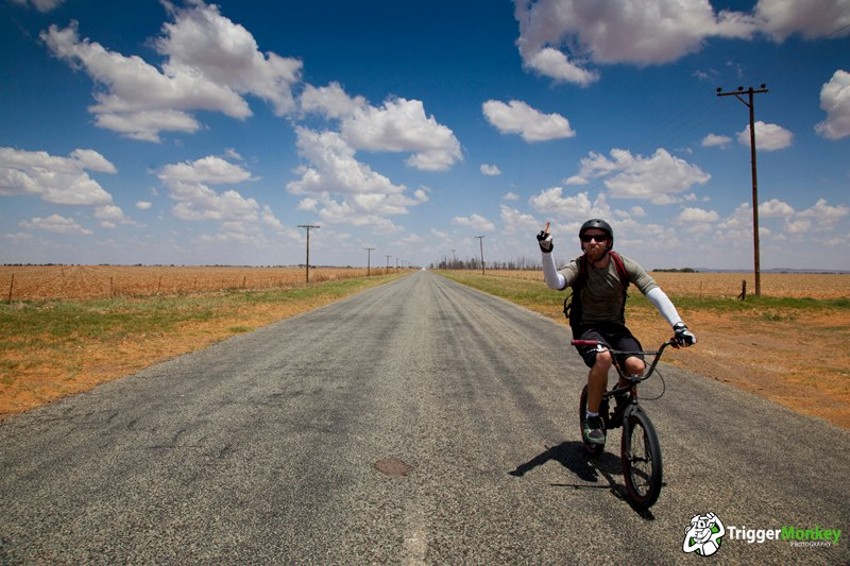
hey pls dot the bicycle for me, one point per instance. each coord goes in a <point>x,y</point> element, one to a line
<point>640,450</point>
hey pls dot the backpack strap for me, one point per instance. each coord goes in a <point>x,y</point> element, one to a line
<point>582,274</point>
<point>621,269</point>
<point>624,281</point>
<point>581,278</point>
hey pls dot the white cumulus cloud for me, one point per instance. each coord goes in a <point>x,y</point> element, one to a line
<point>43,6</point>
<point>656,178</point>
<point>835,100</point>
<point>57,180</point>
<point>517,117</point>
<point>399,125</point>
<point>56,224</point>
<point>211,64</point>
<point>775,208</point>
<point>240,219</point>
<point>810,18</point>
<point>365,195</point>
<point>475,221</point>
<point>715,140</point>
<point>769,137</point>
<point>696,215</point>
<point>565,39</point>
<point>577,207</point>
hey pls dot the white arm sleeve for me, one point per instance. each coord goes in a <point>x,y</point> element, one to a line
<point>664,305</point>
<point>554,280</point>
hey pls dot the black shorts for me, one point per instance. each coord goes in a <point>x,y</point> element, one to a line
<point>615,336</point>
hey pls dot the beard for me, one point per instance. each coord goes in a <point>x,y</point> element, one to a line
<point>595,252</point>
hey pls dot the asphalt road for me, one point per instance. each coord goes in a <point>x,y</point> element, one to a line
<point>418,422</point>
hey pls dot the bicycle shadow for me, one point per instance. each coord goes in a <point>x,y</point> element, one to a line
<point>587,468</point>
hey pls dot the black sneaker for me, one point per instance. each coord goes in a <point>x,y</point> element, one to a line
<point>594,430</point>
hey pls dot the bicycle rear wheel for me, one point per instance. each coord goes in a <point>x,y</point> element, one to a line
<point>593,449</point>
<point>641,459</point>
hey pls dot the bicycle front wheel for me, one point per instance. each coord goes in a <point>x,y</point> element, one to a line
<point>641,459</point>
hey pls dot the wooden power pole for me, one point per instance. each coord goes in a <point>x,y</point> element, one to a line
<point>308,227</point>
<point>750,103</point>
<point>481,243</point>
<point>368,260</point>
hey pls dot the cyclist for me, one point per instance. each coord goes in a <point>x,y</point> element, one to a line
<point>602,299</point>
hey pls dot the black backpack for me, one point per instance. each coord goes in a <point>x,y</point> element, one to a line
<point>572,302</point>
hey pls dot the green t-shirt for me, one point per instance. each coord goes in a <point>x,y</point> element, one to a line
<point>602,294</point>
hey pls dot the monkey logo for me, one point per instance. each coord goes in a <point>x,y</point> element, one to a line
<point>704,534</point>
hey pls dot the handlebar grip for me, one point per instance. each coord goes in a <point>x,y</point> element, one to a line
<point>584,342</point>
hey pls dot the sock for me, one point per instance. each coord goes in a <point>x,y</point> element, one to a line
<point>590,414</point>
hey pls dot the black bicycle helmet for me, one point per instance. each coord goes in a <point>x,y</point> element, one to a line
<point>600,225</point>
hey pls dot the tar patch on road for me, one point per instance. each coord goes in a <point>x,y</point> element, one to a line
<point>393,467</point>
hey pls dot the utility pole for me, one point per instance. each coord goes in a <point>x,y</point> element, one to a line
<point>368,260</point>
<point>308,227</point>
<point>481,244</point>
<point>750,103</point>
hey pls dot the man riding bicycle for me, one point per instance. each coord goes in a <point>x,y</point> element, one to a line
<point>599,278</point>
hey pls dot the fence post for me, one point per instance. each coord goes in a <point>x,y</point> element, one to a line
<point>11,286</point>
<point>743,295</point>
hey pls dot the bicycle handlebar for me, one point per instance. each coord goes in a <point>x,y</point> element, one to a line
<point>670,342</point>
<point>657,353</point>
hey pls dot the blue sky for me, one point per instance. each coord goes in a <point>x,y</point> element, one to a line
<point>188,132</point>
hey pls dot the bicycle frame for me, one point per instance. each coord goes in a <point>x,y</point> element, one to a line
<point>641,459</point>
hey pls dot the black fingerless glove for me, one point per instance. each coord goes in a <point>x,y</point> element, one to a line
<point>684,337</point>
<point>545,242</point>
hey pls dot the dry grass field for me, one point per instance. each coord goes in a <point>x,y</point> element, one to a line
<point>728,285</point>
<point>49,282</point>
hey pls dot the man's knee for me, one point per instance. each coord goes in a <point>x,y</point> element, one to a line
<point>635,366</point>
<point>604,360</point>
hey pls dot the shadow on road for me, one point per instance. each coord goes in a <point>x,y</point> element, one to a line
<point>573,456</point>
<point>586,468</point>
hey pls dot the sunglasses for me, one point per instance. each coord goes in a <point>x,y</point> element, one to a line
<point>598,237</point>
